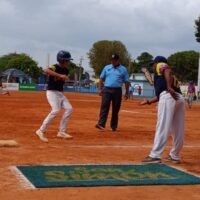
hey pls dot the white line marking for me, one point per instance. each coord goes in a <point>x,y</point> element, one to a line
<point>110,146</point>
<point>84,100</point>
<point>102,146</point>
<point>186,171</point>
<point>128,111</point>
<point>136,112</point>
<point>24,182</point>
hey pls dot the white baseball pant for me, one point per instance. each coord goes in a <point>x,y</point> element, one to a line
<point>57,100</point>
<point>171,115</point>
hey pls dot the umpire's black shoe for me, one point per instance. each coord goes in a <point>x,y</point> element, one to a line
<point>100,127</point>
<point>114,129</point>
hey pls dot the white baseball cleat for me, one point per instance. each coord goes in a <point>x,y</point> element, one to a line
<point>41,135</point>
<point>64,135</point>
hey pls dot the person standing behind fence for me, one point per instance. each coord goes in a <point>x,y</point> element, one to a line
<point>139,90</point>
<point>114,76</point>
<point>191,93</point>
<point>58,74</point>
<point>131,89</point>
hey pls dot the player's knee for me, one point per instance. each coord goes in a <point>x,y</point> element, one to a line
<point>69,110</point>
<point>55,112</point>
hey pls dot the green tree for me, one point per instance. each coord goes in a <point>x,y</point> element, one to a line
<point>142,60</point>
<point>197,27</point>
<point>100,53</point>
<point>185,65</point>
<point>22,62</point>
<point>75,71</point>
<point>135,67</point>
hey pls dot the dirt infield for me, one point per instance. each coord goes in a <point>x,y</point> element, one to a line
<point>23,112</point>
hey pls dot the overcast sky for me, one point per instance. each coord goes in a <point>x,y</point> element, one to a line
<point>39,27</point>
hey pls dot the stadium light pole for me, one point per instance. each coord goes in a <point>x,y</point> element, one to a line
<point>48,60</point>
<point>80,70</point>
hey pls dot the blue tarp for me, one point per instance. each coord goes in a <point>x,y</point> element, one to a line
<point>14,73</point>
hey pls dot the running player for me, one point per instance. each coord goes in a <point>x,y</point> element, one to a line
<point>58,74</point>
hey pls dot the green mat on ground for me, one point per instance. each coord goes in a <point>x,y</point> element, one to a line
<point>105,175</point>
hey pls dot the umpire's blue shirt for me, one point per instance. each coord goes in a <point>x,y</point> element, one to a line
<point>114,76</point>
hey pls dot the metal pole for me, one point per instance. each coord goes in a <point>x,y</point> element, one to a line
<point>80,72</point>
<point>48,59</point>
<point>7,82</point>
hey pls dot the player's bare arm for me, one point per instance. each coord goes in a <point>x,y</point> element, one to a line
<point>100,86</point>
<point>126,88</point>
<point>52,73</point>
<point>169,79</point>
<point>149,101</point>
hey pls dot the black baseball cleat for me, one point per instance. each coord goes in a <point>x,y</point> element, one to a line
<point>149,159</point>
<point>114,129</point>
<point>169,158</point>
<point>99,127</point>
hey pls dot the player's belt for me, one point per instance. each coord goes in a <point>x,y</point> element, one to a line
<point>166,92</point>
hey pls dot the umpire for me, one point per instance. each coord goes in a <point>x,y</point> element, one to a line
<point>113,76</point>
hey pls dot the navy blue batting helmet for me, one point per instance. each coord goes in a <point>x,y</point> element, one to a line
<point>63,55</point>
<point>158,59</point>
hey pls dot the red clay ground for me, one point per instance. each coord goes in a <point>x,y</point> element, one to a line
<point>22,113</point>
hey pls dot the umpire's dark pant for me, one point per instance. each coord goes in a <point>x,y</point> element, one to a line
<point>109,95</point>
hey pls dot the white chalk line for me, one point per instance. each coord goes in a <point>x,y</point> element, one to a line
<point>110,146</point>
<point>84,100</point>
<point>186,171</point>
<point>23,181</point>
<point>137,112</point>
<point>128,111</point>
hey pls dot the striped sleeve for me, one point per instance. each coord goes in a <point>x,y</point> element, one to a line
<point>52,67</point>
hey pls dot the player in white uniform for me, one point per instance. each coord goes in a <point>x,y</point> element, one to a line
<point>171,111</point>
<point>58,73</point>
<point>3,92</point>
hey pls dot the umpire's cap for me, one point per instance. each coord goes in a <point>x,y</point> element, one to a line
<point>158,59</point>
<point>63,55</point>
<point>115,56</point>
